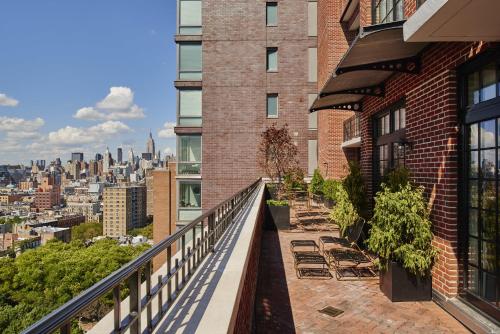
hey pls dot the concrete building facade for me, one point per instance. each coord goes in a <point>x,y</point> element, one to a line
<point>124,209</point>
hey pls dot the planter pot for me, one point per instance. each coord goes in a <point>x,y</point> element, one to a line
<point>401,286</point>
<point>279,216</point>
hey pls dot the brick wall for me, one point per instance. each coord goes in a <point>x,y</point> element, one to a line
<point>432,125</point>
<point>333,41</point>
<point>235,85</point>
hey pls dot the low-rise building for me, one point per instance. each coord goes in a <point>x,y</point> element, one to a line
<point>47,233</point>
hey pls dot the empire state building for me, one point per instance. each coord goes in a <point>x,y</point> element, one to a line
<point>150,146</point>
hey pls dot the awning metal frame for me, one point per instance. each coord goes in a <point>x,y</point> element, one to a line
<point>354,106</point>
<point>377,90</point>
<point>410,65</point>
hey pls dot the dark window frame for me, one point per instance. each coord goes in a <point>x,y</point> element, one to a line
<point>392,11</point>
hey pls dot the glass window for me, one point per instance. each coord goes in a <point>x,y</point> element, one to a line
<point>313,64</point>
<point>189,200</point>
<point>388,11</point>
<point>190,62</point>
<point>313,116</point>
<point>312,18</point>
<point>272,105</point>
<point>271,14</point>
<point>312,154</point>
<point>190,107</point>
<point>189,155</point>
<point>483,84</point>
<point>272,59</point>
<point>190,17</point>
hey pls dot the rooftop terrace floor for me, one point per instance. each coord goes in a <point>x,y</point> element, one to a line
<point>286,304</point>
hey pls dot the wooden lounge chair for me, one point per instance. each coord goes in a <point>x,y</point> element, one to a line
<point>353,234</point>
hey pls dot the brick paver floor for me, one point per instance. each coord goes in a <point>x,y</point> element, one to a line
<point>285,304</point>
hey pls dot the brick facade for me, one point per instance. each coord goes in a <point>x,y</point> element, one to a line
<point>236,83</point>
<point>432,128</point>
<point>333,41</point>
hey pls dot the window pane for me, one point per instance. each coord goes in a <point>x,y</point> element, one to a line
<point>473,193</point>
<point>473,223</point>
<point>272,59</point>
<point>488,195</point>
<point>312,17</point>
<point>488,224</point>
<point>473,88</point>
<point>474,137</point>
<point>473,251</point>
<point>189,148</point>
<point>399,14</point>
<point>272,14</point>
<point>313,116</point>
<point>488,134</point>
<point>402,116</point>
<point>489,80</point>
<point>473,164</point>
<point>272,105</point>
<point>473,280</point>
<point>190,195</point>
<point>488,287</point>
<point>396,120</point>
<point>488,256</point>
<point>190,102</point>
<point>312,151</point>
<point>488,163</point>
<point>190,65</point>
<point>190,13</point>
<point>387,124</point>
<point>313,64</point>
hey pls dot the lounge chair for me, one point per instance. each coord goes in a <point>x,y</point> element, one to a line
<point>353,234</point>
<point>305,264</point>
<point>350,263</point>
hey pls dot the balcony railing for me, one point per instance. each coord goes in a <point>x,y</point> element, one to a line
<point>189,168</point>
<point>206,231</point>
<point>351,128</point>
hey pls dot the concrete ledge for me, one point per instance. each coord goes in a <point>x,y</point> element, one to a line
<point>353,143</point>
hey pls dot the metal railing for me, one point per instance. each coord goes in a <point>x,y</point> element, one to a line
<point>351,128</point>
<point>210,227</point>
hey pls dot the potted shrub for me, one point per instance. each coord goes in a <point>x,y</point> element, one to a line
<point>343,213</point>
<point>316,186</point>
<point>277,158</point>
<point>330,189</point>
<point>401,236</point>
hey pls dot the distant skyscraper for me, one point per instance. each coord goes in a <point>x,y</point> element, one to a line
<point>147,156</point>
<point>150,147</point>
<point>119,155</point>
<point>107,161</point>
<point>76,156</point>
<point>98,157</point>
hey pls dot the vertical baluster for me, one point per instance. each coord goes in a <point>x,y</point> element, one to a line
<point>203,239</point>
<point>169,274</point>
<point>189,261</point>
<point>134,283</point>
<point>211,223</point>
<point>206,243</point>
<point>183,242</point>
<point>198,251</point>
<point>116,308</point>
<point>176,276</point>
<point>160,295</point>
<point>149,317</point>
<point>194,246</point>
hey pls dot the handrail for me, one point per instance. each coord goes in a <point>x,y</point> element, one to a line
<point>351,127</point>
<point>219,218</point>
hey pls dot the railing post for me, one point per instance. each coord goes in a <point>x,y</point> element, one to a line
<point>149,316</point>
<point>176,276</point>
<point>194,246</point>
<point>134,284</point>
<point>160,294</point>
<point>169,274</point>
<point>198,250</point>
<point>183,242</point>
<point>117,309</point>
<point>211,232</point>
<point>189,262</point>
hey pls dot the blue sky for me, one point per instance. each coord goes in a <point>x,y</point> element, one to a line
<point>80,75</point>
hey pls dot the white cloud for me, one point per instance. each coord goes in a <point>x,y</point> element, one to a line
<point>117,105</point>
<point>15,124</point>
<point>94,134</point>
<point>167,151</point>
<point>7,101</point>
<point>167,131</point>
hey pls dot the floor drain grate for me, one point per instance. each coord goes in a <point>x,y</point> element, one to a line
<point>331,311</point>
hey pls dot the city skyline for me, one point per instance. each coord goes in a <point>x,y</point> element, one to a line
<point>49,111</point>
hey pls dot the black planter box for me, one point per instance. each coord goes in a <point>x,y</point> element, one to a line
<point>401,286</point>
<point>279,216</point>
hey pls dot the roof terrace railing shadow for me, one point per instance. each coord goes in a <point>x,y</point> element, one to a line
<point>214,226</point>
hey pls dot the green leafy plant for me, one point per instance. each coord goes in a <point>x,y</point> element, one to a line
<point>397,178</point>
<point>331,188</point>
<point>401,229</point>
<point>354,185</point>
<point>343,213</point>
<point>272,202</point>
<point>294,179</point>
<point>316,186</point>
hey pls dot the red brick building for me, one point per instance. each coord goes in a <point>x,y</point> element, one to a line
<point>426,92</point>
<point>242,66</point>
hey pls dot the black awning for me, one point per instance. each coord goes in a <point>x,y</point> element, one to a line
<point>376,53</point>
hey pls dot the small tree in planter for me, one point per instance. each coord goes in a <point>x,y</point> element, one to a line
<point>316,186</point>
<point>401,235</point>
<point>354,185</point>
<point>343,213</point>
<point>277,155</point>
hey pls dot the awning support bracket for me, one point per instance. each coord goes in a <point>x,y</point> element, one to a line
<point>407,65</point>
<point>354,106</point>
<point>377,90</point>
